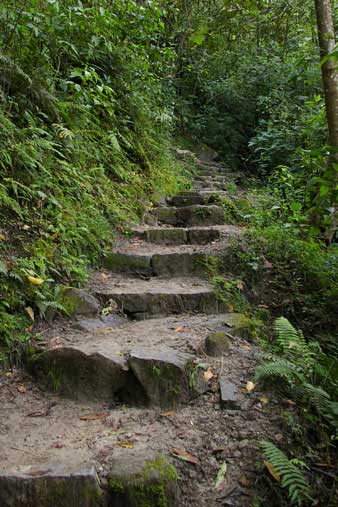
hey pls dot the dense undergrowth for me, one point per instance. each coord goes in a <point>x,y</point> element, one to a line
<point>91,94</point>
<point>85,113</point>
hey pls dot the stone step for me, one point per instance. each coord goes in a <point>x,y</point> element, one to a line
<point>50,484</point>
<point>191,199</point>
<point>147,363</point>
<point>141,258</point>
<point>190,215</point>
<point>212,178</point>
<point>184,236</point>
<point>209,185</point>
<point>141,299</point>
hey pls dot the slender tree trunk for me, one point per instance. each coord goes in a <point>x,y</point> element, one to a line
<point>329,71</point>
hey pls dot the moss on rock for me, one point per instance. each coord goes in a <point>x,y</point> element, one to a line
<point>217,343</point>
<point>149,482</point>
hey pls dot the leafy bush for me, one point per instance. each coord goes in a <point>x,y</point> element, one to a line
<point>86,112</point>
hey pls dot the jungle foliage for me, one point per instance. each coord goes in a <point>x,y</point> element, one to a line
<point>93,95</point>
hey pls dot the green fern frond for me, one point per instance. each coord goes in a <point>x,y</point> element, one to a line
<point>281,368</point>
<point>293,343</point>
<point>292,478</point>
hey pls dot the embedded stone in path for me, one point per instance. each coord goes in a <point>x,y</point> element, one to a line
<point>217,344</point>
<point>79,372</point>
<point>230,395</point>
<point>166,375</point>
<point>49,485</point>
<point>78,302</point>
<point>103,321</point>
<point>142,478</point>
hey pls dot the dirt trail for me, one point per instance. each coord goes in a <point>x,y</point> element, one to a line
<point>155,380</point>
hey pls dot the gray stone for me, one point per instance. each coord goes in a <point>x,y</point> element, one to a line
<point>49,486</point>
<point>163,303</point>
<point>201,215</point>
<point>203,236</point>
<point>78,302</point>
<point>230,395</point>
<point>142,478</point>
<point>149,219</point>
<point>166,215</point>
<point>191,215</point>
<point>180,264</point>
<point>217,344</point>
<point>103,321</point>
<point>208,154</point>
<point>129,263</point>
<point>186,200</point>
<point>166,375</point>
<point>175,236</point>
<point>80,373</point>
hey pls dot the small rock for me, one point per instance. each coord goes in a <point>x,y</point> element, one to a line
<point>217,344</point>
<point>230,397</point>
<point>78,302</point>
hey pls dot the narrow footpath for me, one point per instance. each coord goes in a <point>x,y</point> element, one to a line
<point>141,399</point>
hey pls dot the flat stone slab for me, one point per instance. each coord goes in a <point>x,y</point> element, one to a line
<point>166,375</point>
<point>143,478</point>
<point>82,370</point>
<point>230,396</point>
<point>103,321</point>
<point>49,486</point>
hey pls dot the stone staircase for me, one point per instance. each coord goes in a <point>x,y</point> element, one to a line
<point>110,437</point>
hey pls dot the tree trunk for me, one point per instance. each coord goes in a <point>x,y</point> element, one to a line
<point>329,71</point>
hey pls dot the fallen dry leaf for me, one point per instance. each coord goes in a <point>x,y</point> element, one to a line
<point>245,347</point>
<point>272,471</point>
<point>208,375</point>
<point>170,413</point>
<point>179,329</point>
<point>2,237</point>
<point>244,481</point>
<point>30,313</point>
<point>250,386</point>
<point>184,455</point>
<point>93,417</point>
<point>21,389</point>
<point>264,400</point>
<point>126,444</point>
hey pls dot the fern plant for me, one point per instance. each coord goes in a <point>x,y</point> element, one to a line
<point>288,473</point>
<point>293,344</point>
<point>294,368</point>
